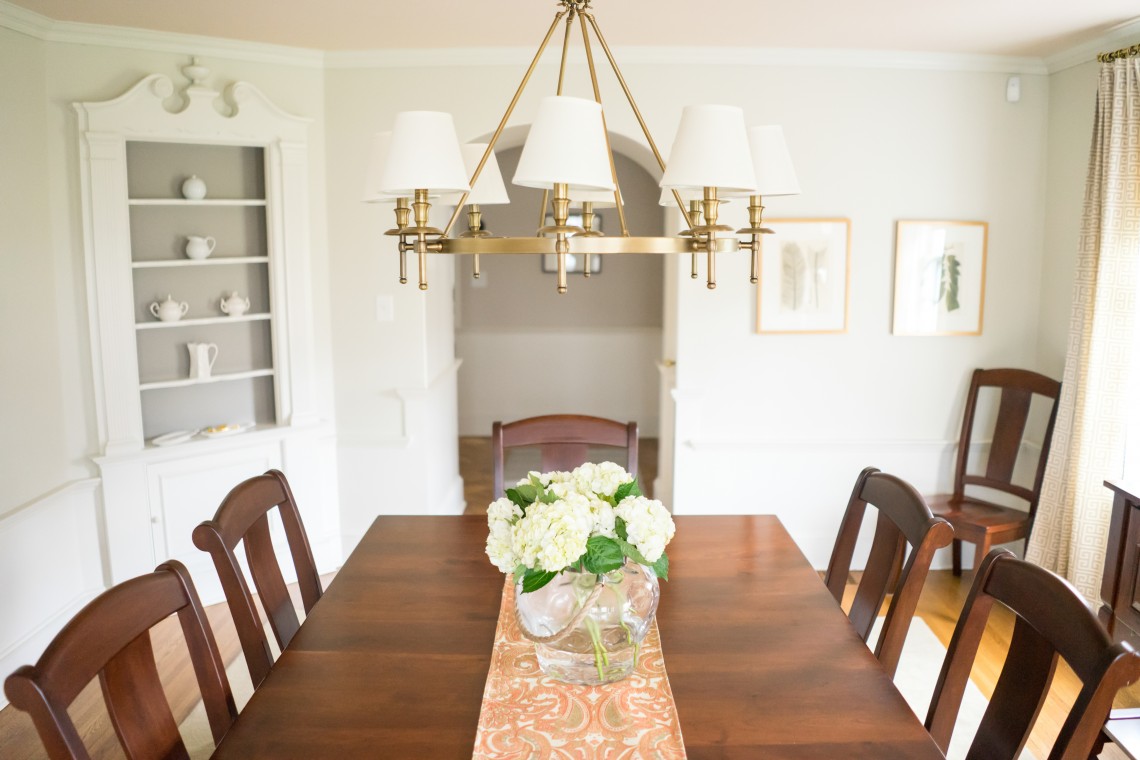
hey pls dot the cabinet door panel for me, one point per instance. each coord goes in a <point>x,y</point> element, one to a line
<point>186,492</point>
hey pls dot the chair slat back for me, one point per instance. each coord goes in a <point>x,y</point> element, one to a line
<point>904,519</point>
<point>563,440</point>
<point>1017,388</point>
<point>1052,621</point>
<point>110,639</point>
<point>244,517</point>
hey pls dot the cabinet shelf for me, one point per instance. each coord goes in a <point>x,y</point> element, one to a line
<point>187,381</point>
<point>184,202</point>
<point>221,260</point>
<point>201,321</point>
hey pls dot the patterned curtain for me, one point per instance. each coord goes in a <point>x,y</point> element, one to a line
<point>1071,529</point>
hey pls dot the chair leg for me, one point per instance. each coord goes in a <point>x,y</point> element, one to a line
<point>956,555</point>
<point>983,548</point>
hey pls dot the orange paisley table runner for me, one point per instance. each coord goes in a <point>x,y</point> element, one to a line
<point>527,715</point>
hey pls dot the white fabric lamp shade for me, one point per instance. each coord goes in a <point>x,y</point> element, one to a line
<point>566,144</point>
<point>687,194</point>
<point>376,159</point>
<point>711,150</point>
<point>600,198</point>
<point>489,189</point>
<point>424,155</point>
<point>775,174</point>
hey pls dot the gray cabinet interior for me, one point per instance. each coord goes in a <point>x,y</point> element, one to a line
<point>234,213</point>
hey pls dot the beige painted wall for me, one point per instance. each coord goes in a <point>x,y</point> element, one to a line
<point>1072,103</point>
<point>36,450</point>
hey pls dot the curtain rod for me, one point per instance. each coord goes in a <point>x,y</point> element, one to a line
<point>1128,52</point>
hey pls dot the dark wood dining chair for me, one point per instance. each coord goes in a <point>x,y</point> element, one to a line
<point>977,520</point>
<point>110,638</point>
<point>244,516</point>
<point>903,519</point>
<point>563,440</point>
<point>1051,620</point>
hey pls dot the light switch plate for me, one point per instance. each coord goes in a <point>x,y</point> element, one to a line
<point>385,309</point>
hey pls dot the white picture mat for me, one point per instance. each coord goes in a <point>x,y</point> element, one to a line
<point>804,273</point>
<point>921,307</point>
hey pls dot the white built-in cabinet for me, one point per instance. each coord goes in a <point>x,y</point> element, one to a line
<point>136,151</point>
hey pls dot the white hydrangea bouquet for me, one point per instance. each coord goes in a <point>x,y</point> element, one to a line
<point>589,520</point>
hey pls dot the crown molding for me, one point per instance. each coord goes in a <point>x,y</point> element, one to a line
<point>41,27</point>
<point>726,56</point>
<point>1121,35</point>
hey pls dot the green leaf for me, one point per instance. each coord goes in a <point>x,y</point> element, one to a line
<point>626,489</point>
<point>535,481</point>
<point>953,274</point>
<point>619,528</point>
<point>548,497</point>
<point>603,554</point>
<point>533,580</point>
<point>631,551</point>
<point>661,567</point>
<point>520,571</point>
<point>523,496</point>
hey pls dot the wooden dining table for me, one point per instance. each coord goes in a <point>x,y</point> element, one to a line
<point>391,663</point>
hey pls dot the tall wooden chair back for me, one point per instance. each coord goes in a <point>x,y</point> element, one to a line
<point>1051,620</point>
<point>903,519</point>
<point>244,516</point>
<point>110,638</point>
<point>982,522</point>
<point>563,440</point>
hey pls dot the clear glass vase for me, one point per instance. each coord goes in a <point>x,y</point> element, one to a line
<point>588,628</point>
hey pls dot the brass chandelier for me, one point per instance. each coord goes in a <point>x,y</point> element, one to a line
<point>568,155</point>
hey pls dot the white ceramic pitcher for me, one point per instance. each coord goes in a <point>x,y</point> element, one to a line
<point>198,247</point>
<point>202,358</point>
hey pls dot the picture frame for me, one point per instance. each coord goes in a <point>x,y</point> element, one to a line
<point>574,264</point>
<point>940,277</point>
<point>805,272</point>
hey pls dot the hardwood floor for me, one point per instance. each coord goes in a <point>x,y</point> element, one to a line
<point>939,606</point>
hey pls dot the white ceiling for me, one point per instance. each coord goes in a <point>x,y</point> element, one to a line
<point>1029,28</point>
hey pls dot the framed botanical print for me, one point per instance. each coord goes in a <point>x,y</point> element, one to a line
<point>804,274</point>
<point>940,278</point>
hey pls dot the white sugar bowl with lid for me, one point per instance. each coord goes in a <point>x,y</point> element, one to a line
<point>169,310</point>
<point>234,305</point>
<point>193,188</point>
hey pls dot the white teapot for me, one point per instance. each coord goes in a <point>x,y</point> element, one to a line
<point>198,247</point>
<point>234,305</point>
<point>169,310</point>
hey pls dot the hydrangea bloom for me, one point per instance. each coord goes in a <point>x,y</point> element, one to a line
<point>553,536</point>
<point>501,515</point>
<point>648,525</point>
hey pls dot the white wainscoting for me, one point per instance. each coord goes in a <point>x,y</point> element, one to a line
<point>412,472</point>
<point>512,374</point>
<point>50,564</point>
<point>807,483</point>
